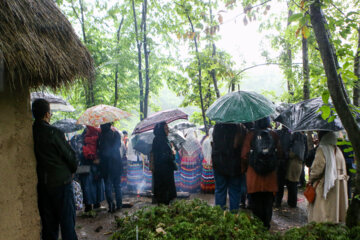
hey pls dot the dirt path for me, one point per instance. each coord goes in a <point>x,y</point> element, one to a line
<point>102,226</point>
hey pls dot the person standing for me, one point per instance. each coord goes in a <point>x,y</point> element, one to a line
<point>328,175</point>
<point>297,155</point>
<point>226,149</point>
<point>163,160</point>
<point>260,153</point>
<point>109,144</point>
<point>91,182</point>
<point>56,163</point>
<point>285,141</point>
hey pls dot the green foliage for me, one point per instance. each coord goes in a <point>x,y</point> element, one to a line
<point>197,220</point>
<point>189,220</point>
<point>317,231</point>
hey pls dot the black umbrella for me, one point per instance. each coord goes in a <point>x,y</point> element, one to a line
<point>142,142</point>
<point>68,125</point>
<point>279,108</point>
<point>305,116</point>
<point>183,125</point>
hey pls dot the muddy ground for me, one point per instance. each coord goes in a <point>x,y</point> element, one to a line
<point>102,225</point>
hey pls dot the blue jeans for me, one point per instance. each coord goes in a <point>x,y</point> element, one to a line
<point>243,192</point>
<point>113,182</point>
<point>57,207</point>
<point>223,184</point>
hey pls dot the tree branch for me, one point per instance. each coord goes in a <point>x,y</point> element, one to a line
<point>263,64</point>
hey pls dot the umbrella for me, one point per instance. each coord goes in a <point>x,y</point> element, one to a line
<point>101,114</point>
<point>68,125</point>
<point>279,108</point>
<point>57,103</point>
<point>177,137</point>
<point>305,116</point>
<point>240,107</point>
<point>183,125</point>
<point>142,142</point>
<point>166,115</point>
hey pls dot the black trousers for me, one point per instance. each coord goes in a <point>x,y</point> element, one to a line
<point>57,208</point>
<point>262,206</point>
<point>292,192</point>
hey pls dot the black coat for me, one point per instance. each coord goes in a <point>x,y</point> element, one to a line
<point>56,160</point>
<point>164,166</point>
<point>109,144</point>
<point>226,158</point>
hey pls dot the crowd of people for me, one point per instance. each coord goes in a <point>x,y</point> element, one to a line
<point>95,156</point>
<point>252,163</point>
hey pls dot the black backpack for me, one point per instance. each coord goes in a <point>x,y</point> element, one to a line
<point>263,152</point>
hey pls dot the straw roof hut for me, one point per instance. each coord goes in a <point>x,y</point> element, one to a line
<point>38,47</point>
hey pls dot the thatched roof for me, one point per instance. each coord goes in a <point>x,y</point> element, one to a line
<point>39,45</point>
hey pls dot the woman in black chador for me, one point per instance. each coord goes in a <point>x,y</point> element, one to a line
<point>164,165</point>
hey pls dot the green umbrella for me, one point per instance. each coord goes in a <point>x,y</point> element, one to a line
<point>240,107</point>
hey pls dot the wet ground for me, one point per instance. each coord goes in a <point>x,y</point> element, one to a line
<point>101,226</point>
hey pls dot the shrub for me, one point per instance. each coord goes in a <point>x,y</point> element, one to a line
<point>190,220</point>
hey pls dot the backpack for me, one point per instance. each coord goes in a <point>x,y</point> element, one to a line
<point>263,152</point>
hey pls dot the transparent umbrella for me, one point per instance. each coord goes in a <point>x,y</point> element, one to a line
<point>305,116</point>
<point>57,103</point>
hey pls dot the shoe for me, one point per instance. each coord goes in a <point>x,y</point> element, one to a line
<point>242,205</point>
<point>88,208</point>
<point>97,205</point>
<point>111,208</point>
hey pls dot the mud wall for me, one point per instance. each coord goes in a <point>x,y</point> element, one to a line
<point>19,217</point>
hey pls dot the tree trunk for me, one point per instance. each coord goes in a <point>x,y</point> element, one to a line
<point>289,60</point>
<point>306,76</point>
<point>339,100</point>
<point>146,56</point>
<point>116,93</point>
<point>88,87</point>
<point>199,79</point>
<point>213,74</point>
<point>356,97</point>
<point>232,87</point>
<point>138,44</point>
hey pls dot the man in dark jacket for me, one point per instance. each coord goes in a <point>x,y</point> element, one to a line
<point>285,140</point>
<point>226,151</point>
<point>56,162</point>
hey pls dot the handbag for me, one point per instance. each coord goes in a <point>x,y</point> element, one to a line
<point>310,192</point>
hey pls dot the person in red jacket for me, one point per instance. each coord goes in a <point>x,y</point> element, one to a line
<point>261,186</point>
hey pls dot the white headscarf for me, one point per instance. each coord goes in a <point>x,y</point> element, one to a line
<point>206,147</point>
<point>327,145</point>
